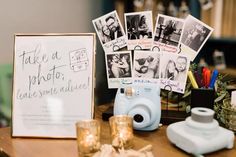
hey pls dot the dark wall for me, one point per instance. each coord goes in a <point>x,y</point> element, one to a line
<point>228,46</point>
<point>102,93</point>
<point>105,95</point>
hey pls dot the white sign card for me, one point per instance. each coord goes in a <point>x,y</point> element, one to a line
<point>53,84</point>
<point>174,68</point>
<point>110,32</point>
<point>119,67</point>
<point>146,67</point>
<point>168,31</point>
<point>195,34</point>
<point>139,30</point>
<point>233,98</point>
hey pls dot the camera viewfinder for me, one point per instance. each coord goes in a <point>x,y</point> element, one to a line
<point>122,90</point>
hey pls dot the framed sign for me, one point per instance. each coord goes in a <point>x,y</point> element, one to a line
<point>53,84</point>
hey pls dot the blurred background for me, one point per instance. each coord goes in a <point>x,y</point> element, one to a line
<point>75,16</point>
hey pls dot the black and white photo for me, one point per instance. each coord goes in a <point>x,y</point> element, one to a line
<point>168,31</point>
<point>119,67</point>
<point>146,65</point>
<point>110,31</point>
<point>195,34</point>
<point>174,68</point>
<point>139,29</point>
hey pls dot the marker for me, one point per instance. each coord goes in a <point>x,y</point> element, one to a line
<point>208,78</point>
<point>192,79</point>
<point>198,79</point>
<point>204,77</point>
<point>204,70</point>
<point>206,74</point>
<point>213,78</point>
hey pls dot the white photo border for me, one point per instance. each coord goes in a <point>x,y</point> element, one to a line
<point>115,44</point>
<point>187,50</point>
<point>163,46</point>
<point>116,82</point>
<point>140,43</point>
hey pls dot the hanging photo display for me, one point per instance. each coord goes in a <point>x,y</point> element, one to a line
<point>160,58</point>
<point>110,32</point>
<point>195,34</point>
<point>168,31</point>
<point>139,30</point>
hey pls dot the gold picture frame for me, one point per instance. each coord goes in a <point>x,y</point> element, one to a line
<point>53,83</point>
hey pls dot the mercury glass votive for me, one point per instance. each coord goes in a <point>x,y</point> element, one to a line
<point>88,137</point>
<point>121,127</point>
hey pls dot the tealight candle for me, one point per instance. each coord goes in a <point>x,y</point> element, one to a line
<point>88,137</point>
<point>121,127</point>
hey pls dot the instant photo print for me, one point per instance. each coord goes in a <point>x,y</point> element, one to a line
<point>195,34</point>
<point>110,32</point>
<point>174,68</point>
<point>146,67</point>
<point>118,65</point>
<point>167,33</point>
<point>139,30</point>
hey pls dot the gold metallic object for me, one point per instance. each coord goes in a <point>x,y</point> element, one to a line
<point>121,131</point>
<point>88,137</point>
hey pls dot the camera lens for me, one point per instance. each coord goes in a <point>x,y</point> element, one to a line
<point>138,118</point>
<point>200,110</point>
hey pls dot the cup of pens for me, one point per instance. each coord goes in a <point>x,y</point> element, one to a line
<point>203,79</point>
<point>203,83</point>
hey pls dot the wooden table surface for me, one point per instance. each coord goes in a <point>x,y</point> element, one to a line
<point>35,147</point>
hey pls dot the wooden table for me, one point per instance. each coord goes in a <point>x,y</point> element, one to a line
<point>33,147</point>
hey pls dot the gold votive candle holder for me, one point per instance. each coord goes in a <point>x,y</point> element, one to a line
<point>121,127</point>
<point>88,137</point>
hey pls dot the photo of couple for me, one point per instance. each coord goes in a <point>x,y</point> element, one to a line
<point>194,35</point>
<point>108,28</point>
<point>139,30</point>
<point>119,65</point>
<point>168,31</point>
<point>146,64</point>
<point>138,27</point>
<point>174,68</point>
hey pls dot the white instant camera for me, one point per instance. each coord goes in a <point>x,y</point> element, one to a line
<point>200,133</point>
<point>140,102</point>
